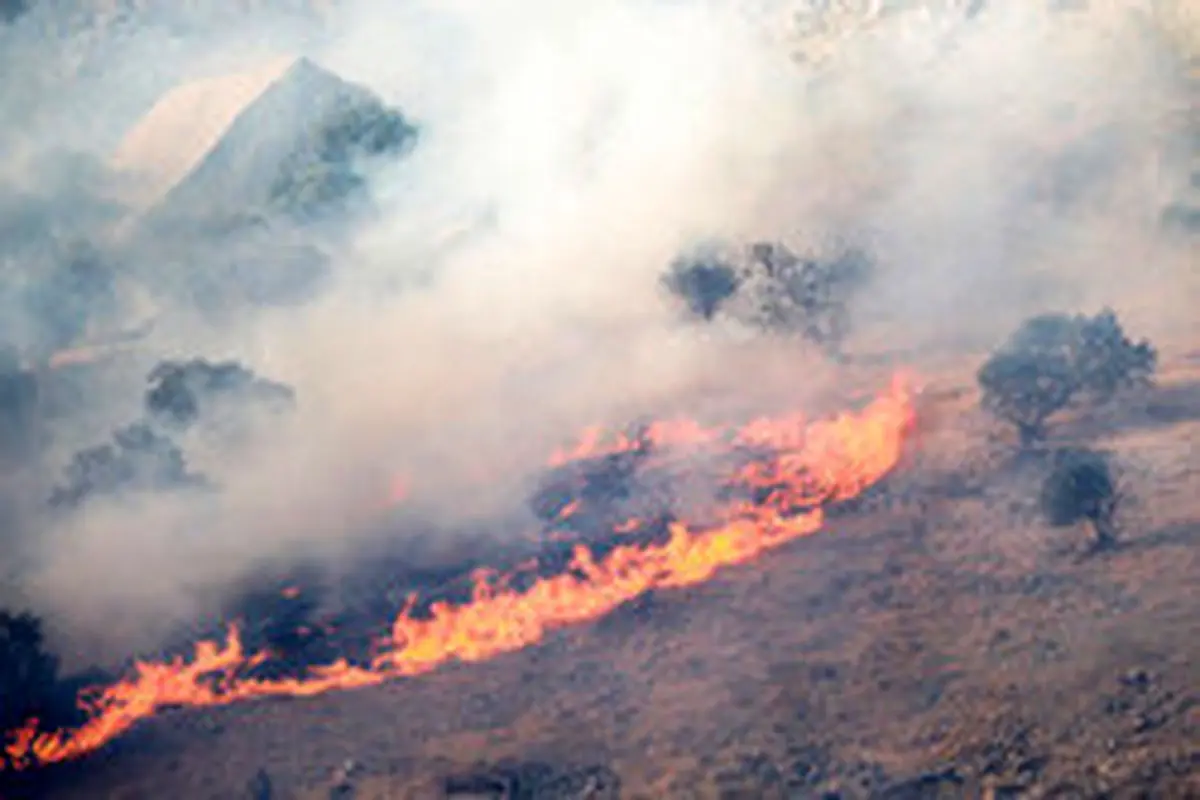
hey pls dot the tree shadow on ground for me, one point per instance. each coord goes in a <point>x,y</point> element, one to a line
<point>1160,407</point>
<point>1180,534</point>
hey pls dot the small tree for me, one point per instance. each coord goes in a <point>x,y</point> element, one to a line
<point>1054,359</point>
<point>1082,487</point>
<point>1026,389</point>
<point>769,286</point>
<point>1108,361</point>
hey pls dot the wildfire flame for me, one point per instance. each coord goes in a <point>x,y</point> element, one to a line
<point>811,464</point>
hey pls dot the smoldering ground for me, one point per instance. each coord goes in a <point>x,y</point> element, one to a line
<point>507,288</point>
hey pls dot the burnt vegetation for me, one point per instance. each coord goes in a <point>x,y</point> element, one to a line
<point>1053,361</point>
<point>770,287</point>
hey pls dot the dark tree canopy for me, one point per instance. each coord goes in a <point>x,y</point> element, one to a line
<point>1054,359</point>
<point>769,286</point>
<point>1107,360</point>
<point>1081,487</point>
<point>703,283</point>
<point>28,673</point>
<point>181,392</point>
<point>327,172</point>
<point>137,459</point>
<point>1026,388</point>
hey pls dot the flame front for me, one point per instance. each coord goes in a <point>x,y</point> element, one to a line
<point>811,464</point>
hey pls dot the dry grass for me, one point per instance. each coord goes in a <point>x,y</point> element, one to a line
<point>934,632</point>
<point>951,630</point>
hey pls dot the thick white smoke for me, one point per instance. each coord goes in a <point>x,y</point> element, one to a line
<point>568,153</point>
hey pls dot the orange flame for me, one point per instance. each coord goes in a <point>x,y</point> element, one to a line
<point>825,461</point>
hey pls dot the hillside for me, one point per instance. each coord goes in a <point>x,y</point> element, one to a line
<point>868,605</point>
<point>934,647</point>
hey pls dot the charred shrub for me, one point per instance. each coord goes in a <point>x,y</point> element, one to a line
<point>769,286</point>
<point>1055,359</point>
<point>1082,486</point>
<point>137,459</point>
<point>181,392</point>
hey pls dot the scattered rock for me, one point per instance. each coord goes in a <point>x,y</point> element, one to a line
<point>477,787</point>
<point>534,781</point>
<point>807,767</point>
<point>753,776</point>
<point>587,783</point>
<point>856,779</point>
<point>947,783</point>
<point>1136,678</point>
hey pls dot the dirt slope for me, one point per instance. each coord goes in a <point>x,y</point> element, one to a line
<point>940,644</point>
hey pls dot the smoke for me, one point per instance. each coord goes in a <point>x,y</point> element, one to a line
<point>507,288</point>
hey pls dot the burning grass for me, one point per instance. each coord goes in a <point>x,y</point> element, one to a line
<point>783,475</point>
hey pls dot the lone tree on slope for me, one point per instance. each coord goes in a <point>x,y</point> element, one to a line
<point>1055,359</point>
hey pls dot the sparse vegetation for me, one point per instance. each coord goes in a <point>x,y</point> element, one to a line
<point>143,457</point>
<point>771,287</point>
<point>328,173</point>
<point>137,459</point>
<point>1082,486</point>
<point>182,391</point>
<point>1054,359</point>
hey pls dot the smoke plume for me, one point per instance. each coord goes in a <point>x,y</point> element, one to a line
<point>506,288</point>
